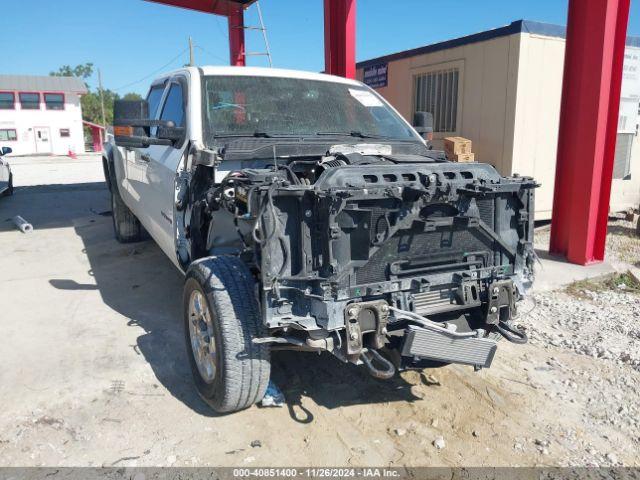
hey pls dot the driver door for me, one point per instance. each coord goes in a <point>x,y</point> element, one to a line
<point>136,162</point>
<point>163,163</point>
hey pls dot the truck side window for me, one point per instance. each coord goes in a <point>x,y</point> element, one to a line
<point>173,109</point>
<point>153,97</point>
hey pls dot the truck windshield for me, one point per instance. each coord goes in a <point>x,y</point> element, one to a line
<point>274,106</point>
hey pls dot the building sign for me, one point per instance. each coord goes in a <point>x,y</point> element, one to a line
<point>376,75</point>
<point>630,95</point>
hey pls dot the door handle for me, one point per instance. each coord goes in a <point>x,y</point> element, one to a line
<point>145,157</point>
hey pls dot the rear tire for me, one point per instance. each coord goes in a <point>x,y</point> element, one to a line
<point>220,340</point>
<point>126,226</point>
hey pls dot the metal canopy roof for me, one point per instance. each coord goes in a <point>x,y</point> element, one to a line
<point>217,7</point>
<point>33,83</point>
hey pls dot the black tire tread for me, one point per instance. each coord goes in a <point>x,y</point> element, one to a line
<point>245,369</point>
<point>9,191</point>
<point>126,226</point>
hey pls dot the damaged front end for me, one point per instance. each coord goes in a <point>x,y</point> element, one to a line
<point>380,260</point>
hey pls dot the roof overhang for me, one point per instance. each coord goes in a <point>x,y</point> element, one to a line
<point>217,7</point>
<point>92,125</point>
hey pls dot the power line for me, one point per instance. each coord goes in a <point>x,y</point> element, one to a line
<point>152,73</point>
<point>216,20</point>
<point>213,55</point>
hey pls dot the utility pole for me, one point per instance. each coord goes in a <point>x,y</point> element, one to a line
<point>192,62</point>
<point>104,121</point>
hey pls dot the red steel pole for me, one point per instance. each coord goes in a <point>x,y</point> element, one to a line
<point>340,37</point>
<point>236,37</point>
<point>596,37</point>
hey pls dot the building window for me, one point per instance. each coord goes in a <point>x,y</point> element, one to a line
<point>8,135</point>
<point>437,92</point>
<point>29,101</point>
<point>7,101</point>
<point>54,101</point>
<point>65,132</point>
<point>622,160</point>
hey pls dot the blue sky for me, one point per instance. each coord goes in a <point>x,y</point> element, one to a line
<point>133,39</point>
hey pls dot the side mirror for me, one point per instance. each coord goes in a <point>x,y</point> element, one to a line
<point>132,126</point>
<point>423,123</point>
<point>6,150</point>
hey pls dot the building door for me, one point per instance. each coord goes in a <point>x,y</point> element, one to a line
<point>43,139</point>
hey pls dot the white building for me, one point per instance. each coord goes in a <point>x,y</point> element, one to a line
<point>502,89</point>
<point>41,115</point>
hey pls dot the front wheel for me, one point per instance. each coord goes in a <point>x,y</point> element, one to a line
<point>221,318</point>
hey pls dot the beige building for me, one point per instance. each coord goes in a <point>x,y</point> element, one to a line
<point>502,89</point>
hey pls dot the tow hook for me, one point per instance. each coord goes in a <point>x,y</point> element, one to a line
<point>366,326</point>
<point>368,359</point>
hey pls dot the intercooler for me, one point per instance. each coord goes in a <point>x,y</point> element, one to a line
<point>446,347</point>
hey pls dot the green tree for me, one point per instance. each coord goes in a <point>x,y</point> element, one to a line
<point>83,71</point>
<point>91,109</point>
<point>132,96</point>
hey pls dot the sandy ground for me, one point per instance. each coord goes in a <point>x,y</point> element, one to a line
<point>52,170</point>
<point>94,371</point>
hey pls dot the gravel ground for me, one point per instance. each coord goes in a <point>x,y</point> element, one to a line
<point>592,330</point>
<point>594,340</point>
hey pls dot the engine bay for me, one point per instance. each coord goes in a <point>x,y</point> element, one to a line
<point>364,248</point>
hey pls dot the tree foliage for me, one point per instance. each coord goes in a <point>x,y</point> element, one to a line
<point>91,110</point>
<point>81,71</point>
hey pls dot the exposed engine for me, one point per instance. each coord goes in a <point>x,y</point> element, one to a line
<point>362,250</point>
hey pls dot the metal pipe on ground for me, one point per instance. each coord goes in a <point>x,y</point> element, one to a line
<point>22,224</point>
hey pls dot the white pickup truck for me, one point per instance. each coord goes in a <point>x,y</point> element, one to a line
<point>6,177</point>
<point>307,214</point>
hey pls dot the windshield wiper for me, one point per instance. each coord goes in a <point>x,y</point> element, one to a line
<point>352,133</point>
<point>247,134</point>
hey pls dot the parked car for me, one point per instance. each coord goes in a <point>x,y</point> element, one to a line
<point>6,177</point>
<point>307,214</point>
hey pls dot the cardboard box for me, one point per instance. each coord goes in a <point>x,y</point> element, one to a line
<point>456,146</point>
<point>464,157</point>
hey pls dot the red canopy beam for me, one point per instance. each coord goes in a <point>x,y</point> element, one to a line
<point>237,52</point>
<point>596,37</point>
<point>217,7</point>
<point>340,37</point>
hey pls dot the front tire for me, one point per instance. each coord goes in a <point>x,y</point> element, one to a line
<point>221,318</point>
